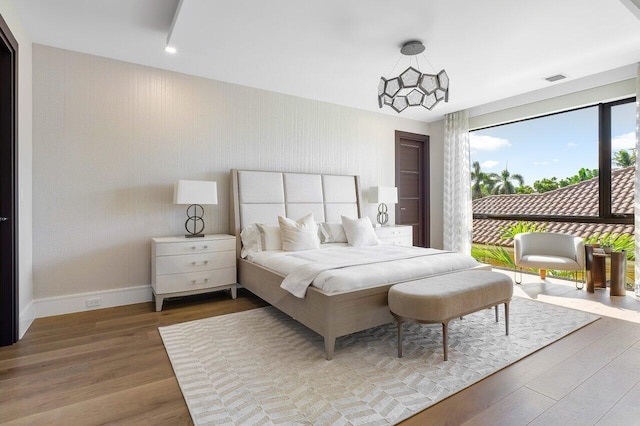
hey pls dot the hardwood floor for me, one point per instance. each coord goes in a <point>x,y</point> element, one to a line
<point>103,366</point>
<point>109,366</point>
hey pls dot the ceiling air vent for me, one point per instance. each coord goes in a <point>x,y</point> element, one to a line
<point>555,78</point>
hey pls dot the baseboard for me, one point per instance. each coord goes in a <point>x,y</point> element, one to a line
<point>72,303</point>
<point>26,318</point>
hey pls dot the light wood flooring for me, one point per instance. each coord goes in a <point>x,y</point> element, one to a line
<point>109,366</point>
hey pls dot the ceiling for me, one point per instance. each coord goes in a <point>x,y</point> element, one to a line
<point>336,50</point>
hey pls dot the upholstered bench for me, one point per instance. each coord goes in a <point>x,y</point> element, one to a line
<point>442,298</point>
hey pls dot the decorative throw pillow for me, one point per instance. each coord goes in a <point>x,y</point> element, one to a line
<point>359,231</point>
<point>300,235</point>
<point>332,233</point>
<point>250,237</point>
<point>270,238</point>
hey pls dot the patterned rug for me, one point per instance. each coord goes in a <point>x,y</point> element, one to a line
<point>261,367</point>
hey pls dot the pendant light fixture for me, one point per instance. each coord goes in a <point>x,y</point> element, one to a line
<point>412,87</point>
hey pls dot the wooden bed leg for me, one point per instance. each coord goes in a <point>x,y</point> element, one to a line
<point>329,346</point>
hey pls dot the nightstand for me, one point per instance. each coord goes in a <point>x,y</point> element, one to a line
<point>401,235</point>
<point>183,266</point>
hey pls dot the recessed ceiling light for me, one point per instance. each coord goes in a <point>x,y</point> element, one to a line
<point>170,49</point>
<point>556,77</point>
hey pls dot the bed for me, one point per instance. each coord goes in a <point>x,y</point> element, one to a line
<point>260,197</point>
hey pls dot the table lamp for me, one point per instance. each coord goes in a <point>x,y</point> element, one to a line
<point>383,195</point>
<point>195,193</point>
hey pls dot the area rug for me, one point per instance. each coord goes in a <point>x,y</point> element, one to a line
<point>261,367</point>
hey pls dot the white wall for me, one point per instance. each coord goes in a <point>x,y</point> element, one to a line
<point>110,139</point>
<point>590,96</point>
<point>25,290</point>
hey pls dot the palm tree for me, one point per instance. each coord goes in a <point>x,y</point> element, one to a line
<point>623,158</point>
<point>477,180</point>
<point>504,184</point>
<point>481,182</point>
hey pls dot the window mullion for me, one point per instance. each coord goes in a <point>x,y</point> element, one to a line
<point>604,160</point>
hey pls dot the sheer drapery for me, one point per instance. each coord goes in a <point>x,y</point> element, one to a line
<point>636,204</point>
<point>457,214</point>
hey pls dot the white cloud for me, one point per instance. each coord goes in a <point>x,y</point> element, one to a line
<point>556,160</point>
<point>572,144</point>
<point>541,163</point>
<point>489,164</point>
<point>487,143</point>
<point>626,141</point>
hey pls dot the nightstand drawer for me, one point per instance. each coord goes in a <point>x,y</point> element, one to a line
<point>197,246</point>
<point>195,262</point>
<point>398,241</point>
<point>195,280</point>
<point>394,231</point>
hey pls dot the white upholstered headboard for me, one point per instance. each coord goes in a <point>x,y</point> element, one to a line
<point>260,197</point>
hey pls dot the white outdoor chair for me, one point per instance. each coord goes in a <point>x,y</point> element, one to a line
<point>548,250</point>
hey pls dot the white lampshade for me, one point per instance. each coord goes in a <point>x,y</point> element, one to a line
<point>195,192</point>
<point>383,194</point>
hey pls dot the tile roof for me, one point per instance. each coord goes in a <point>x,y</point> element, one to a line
<point>580,199</point>
<point>487,231</point>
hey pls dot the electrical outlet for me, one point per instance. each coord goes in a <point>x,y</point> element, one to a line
<point>92,303</point>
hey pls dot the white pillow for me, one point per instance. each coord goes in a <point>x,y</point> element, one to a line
<point>250,238</point>
<point>359,231</point>
<point>332,233</point>
<point>270,238</point>
<point>300,235</point>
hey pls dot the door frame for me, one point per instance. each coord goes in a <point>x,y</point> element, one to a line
<point>9,284</point>
<point>426,192</point>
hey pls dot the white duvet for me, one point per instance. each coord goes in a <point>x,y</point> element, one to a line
<point>344,268</point>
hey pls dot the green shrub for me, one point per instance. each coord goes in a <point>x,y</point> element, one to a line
<point>510,231</point>
<point>618,242</point>
<point>495,255</point>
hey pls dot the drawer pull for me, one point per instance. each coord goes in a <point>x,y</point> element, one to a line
<point>203,247</point>
<point>195,282</point>
<point>204,263</point>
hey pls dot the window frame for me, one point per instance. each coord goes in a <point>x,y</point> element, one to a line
<point>605,215</point>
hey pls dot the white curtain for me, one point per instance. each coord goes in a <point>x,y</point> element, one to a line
<point>636,208</point>
<point>457,214</point>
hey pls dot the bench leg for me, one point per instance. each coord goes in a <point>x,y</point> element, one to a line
<point>506,316</point>
<point>496,313</point>
<point>399,338</point>
<point>445,327</point>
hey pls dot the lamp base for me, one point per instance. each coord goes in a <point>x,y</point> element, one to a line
<point>194,215</point>
<point>383,215</point>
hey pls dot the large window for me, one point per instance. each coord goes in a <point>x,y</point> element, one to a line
<point>591,146</point>
<point>571,172</point>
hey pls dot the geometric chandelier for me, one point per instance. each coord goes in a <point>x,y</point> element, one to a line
<point>411,87</point>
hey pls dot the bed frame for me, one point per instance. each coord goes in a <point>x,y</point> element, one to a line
<point>329,314</point>
<point>258,196</point>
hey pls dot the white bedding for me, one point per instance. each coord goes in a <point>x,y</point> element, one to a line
<point>337,267</point>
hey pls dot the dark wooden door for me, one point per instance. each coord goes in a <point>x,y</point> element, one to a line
<point>412,181</point>
<point>8,187</point>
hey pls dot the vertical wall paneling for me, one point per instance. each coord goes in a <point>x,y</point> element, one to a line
<point>110,139</point>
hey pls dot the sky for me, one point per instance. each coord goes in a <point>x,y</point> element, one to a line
<point>557,145</point>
